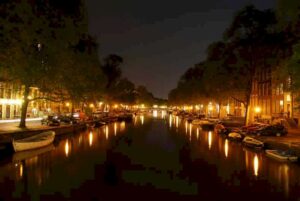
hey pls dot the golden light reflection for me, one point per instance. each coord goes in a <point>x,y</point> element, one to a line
<point>135,119</point>
<point>115,128</point>
<point>186,127</point>
<point>177,121</point>
<point>170,121</point>
<point>155,113</point>
<point>197,133</point>
<point>247,159</point>
<point>163,114</point>
<point>106,132</point>
<point>286,179</point>
<point>91,139</point>
<point>226,148</point>
<point>21,170</point>
<point>142,119</point>
<point>190,126</point>
<point>80,139</point>
<point>67,148</point>
<point>209,139</point>
<point>122,126</point>
<point>255,165</point>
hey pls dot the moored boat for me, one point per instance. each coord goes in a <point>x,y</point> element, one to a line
<point>235,136</point>
<point>281,155</point>
<point>253,143</point>
<point>34,142</point>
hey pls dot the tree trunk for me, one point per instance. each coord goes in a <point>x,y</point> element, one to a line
<point>246,114</point>
<point>219,112</point>
<point>24,108</point>
<point>72,110</point>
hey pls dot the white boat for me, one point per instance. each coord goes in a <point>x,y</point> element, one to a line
<point>281,155</point>
<point>253,143</point>
<point>34,142</point>
<point>235,136</point>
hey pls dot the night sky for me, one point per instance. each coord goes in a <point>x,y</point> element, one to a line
<point>159,40</point>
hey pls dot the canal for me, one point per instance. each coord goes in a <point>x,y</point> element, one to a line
<point>154,157</point>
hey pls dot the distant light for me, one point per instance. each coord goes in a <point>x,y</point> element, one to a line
<point>288,97</point>
<point>257,109</point>
<point>91,105</point>
<point>155,106</point>
<point>67,104</point>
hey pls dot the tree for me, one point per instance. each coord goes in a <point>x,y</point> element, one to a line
<point>42,41</point>
<point>143,96</point>
<point>122,92</point>
<point>250,41</point>
<point>111,68</point>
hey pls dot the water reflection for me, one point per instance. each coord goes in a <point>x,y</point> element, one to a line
<point>190,126</point>
<point>177,121</point>
<point>106,132</point>
<point>115,128</point>
<point>226,148</point>
<point>142,119</point>
<point>170,120</point>
<point>21,170</point>
<point>186,127</point>
<point>155,113</point>
<point>243,166</point>
<point>91,139</point>
<point>255,165</point>
<point>209,139</point>
<point>122,126</point>
<point>67,148</point>
<point>163,114</point>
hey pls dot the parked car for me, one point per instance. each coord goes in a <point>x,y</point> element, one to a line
<point>272,130</point>
<point>50,121</point>
<point>253,128</point>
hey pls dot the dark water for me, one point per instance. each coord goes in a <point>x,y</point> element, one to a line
<point>151,158</point>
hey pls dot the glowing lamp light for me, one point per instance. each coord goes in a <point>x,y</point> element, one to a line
<point>116,106</point>
<point>67,104</point>
<point>288,98</point>
<point>281,103</point>
<point>91,105</point>
<point>155,106</point>
<point>257,109</point>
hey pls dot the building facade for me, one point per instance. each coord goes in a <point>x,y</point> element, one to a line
<point>11,98</point>
<point>270,98</point>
